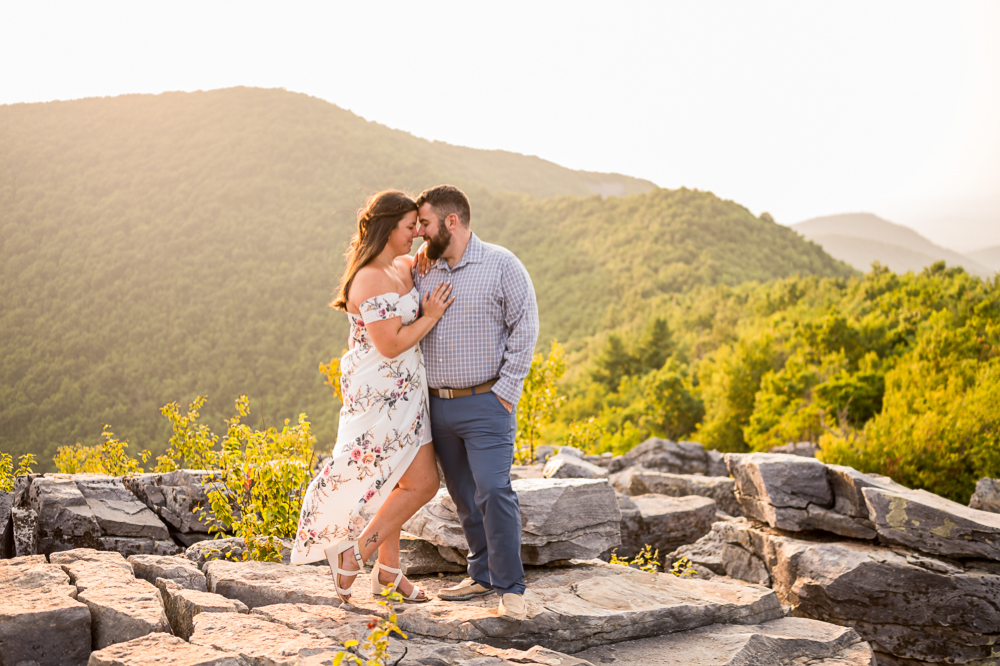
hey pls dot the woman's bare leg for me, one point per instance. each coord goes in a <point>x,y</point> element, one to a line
<point>417,486</point>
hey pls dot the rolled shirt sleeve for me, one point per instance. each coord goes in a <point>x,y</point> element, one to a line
<point>520,313</point>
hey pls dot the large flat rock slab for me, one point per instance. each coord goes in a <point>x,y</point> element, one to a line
<point>788,640</point>
<point>267,583</point>
<point>560,519</point>
<point>933,524</point>
<point>260,642</point>
<point>163,649</point>
<point>586,604</point>
<point>41,622</point>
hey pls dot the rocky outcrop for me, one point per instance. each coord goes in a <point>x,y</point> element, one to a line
<point>908,604</point>
<point>585,604</point>
<point>24,531</point>
<point>665,523</point>
<point>121,607</point>
<point>163,649</point>
<point>786,640</point>
<point>987,496</point>
<point>641,481</point>
<point>41,622</point>
<point>560,519</point>
<point>94,511</point>
<point>260,642</point>
<point>666,456</point>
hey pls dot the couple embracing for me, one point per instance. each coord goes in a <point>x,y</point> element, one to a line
<point>467,309</point>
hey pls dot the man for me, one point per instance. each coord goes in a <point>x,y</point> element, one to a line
<point>477,358</point>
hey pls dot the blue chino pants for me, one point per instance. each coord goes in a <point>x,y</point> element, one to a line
<point>474,440</point>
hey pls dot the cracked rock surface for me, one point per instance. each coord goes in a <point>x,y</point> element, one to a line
<point>582,605</point>
<point>783,642</point>
<point>121,607</point>
<point>163,649</point>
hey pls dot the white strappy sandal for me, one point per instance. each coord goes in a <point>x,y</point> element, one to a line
<point>333,554</point>
<point>377,586</point>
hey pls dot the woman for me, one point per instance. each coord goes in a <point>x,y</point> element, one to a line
<point>381,462</point>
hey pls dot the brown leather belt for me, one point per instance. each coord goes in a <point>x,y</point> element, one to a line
<point>462,393</point>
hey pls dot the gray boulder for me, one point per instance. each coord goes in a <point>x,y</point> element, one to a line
<point>176,498</point>
<point>65,519</point>
<point>567,466</point>
<point>641,481</point>
<point>666,523</point>
<point>41,622</point>
<point>180,570</point>
<point>933,524</point>
<point>987,496</point>
<point>796,494</point>
<point>560,519</point>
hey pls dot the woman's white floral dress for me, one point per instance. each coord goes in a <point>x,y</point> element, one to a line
<point>382,424</point>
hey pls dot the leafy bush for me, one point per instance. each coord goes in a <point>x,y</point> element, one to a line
<point>8,473</point>
<point>540,398</point>
<point>108,457</point>
<point>257,490</point>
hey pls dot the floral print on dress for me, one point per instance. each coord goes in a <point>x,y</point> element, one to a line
<point>383,422</point>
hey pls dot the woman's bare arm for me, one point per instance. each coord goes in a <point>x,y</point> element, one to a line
<point>389,336</point>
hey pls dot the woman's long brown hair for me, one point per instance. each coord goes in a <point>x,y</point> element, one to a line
<point>376,220</point>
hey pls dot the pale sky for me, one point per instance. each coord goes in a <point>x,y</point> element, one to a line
<point>797,108</point>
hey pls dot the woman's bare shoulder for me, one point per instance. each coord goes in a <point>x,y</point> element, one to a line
<point>368,283</point>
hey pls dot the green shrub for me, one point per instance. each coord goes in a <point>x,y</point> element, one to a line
<point>7,472</point>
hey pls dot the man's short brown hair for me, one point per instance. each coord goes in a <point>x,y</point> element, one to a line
<point>445,200</point>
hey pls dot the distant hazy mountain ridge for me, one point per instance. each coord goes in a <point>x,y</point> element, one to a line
<point>859,239</point>
<point>989,257</point>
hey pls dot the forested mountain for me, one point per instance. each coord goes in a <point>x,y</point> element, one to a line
<point>859,239</point>
<point>153,248</point>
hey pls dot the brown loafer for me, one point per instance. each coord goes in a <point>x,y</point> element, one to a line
<point>467,589</point>
<point>512,607</point>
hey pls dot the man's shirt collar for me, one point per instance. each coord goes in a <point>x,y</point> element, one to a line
<point>473,254</point>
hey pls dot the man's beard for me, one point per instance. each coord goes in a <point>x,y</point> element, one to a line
<point>436,245</point>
